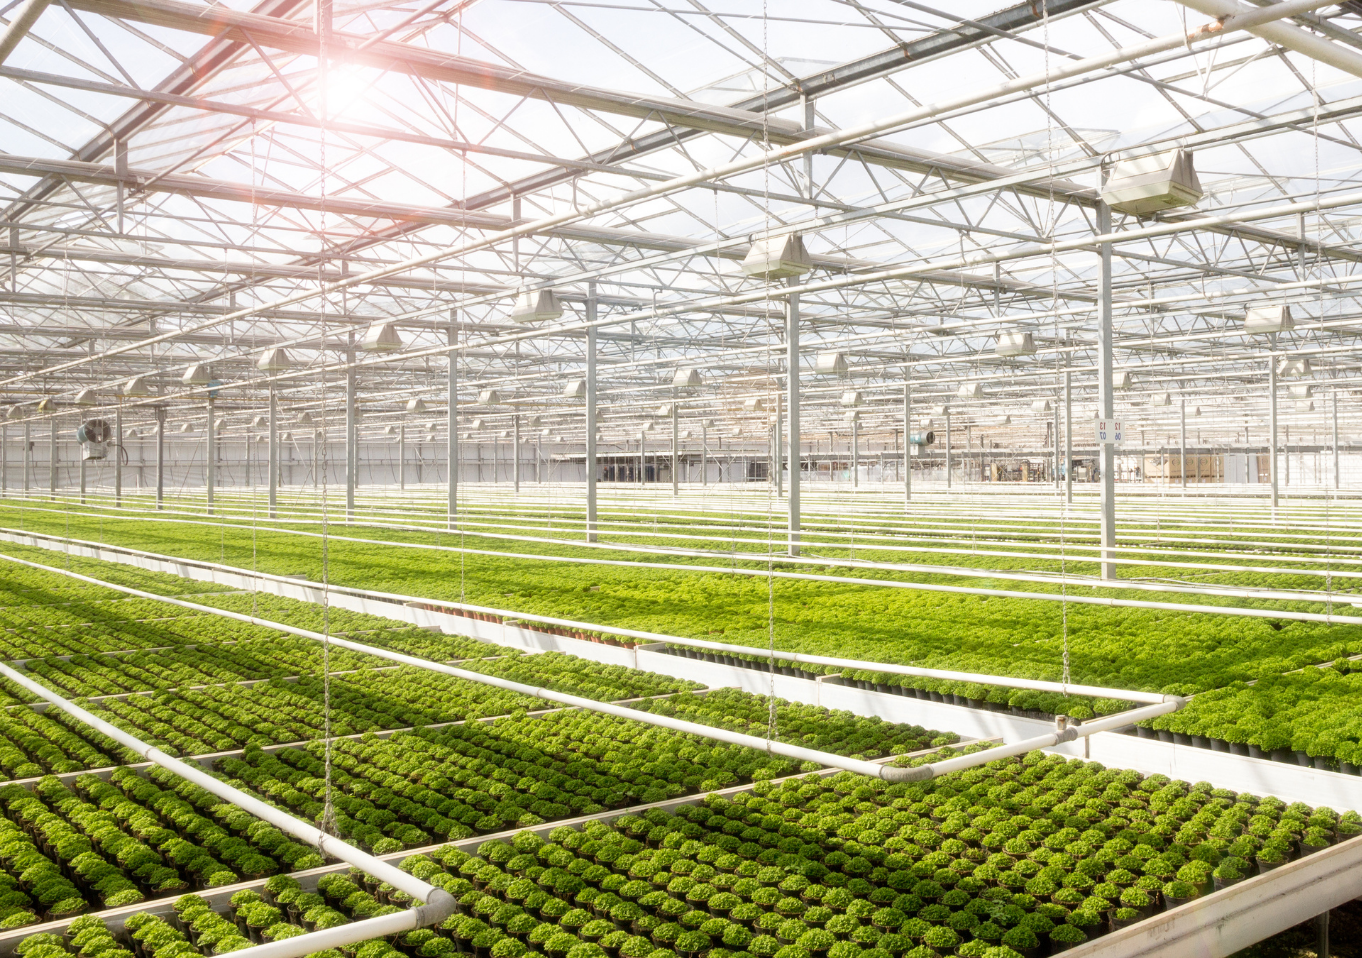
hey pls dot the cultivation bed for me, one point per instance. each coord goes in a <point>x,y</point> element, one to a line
<point>1123,751</point>
<point>884,904</point>
<point>515,630</point>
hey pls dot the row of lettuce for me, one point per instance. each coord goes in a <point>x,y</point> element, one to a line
<point>1159,650</point>
<point>82,842</point>
<point>1004,860</point>
<point>226,717</point>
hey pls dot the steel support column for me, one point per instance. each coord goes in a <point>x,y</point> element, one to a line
<point>1335,402</point>
<point>1106,398</point>
<point>273,486</point>
<point>704,452</point>
<point>161,456</point>
<point>855,453</point>
<point>1272,429</point>
<point>590,463</point>
<point>452,423</point>
<point>1068,437</point>
<point>402,455</point>
<point>52,458</point>
<point>118,456</point>
<point>210,466</point>
<point>907,439</point>
<point>792,405</point>
<point>351,430</point>
<point>780,444</point>
<point>515,454</point>
<point>676,449</point>
<point>948,447</point>
<point>1182,443</point>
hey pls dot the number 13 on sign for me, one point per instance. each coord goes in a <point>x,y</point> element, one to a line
<point>1108,430</point>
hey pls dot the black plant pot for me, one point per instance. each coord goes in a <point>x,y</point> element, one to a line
<point>1181,738</point>
<point>1239,748</point>
<point>1142,732</point>
<point>1200,741</point>
<point>1165,735</point>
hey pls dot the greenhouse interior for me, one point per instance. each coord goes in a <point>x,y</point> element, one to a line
<point>465,492</point>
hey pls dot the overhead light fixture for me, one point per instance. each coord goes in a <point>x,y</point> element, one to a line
<point>777,257</point>
<point>489,397</point>
<point>970,391</point>
<point>416,405</point>
<point>136,386</point>
<point>575,389</point>
<point>1265,320</point>
<point>536,306</point>
<point>382,338</point>
<point>1151,184</point>
<point>1014,343</point>
<point>196,375</point>
<point>852,397</point>
<point>830,364</point>
<point>687,379</point>
<point>273,360</point>
<point>1295,368</point>
<point>86,397</point>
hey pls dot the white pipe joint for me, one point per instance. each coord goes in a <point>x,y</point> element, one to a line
<point>1070,733</point>
<point>440,906</point>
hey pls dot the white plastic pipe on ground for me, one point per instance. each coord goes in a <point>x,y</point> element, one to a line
<point>796,752</point>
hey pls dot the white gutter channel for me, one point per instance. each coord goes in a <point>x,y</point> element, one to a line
<point>1035,685</point>
<point>439,903</point>
<point>799,753</point>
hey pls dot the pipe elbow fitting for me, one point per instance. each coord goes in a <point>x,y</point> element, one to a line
<point>439,905</point>
<point>922,773</point>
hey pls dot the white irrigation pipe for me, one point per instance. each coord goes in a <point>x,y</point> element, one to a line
<point>438,906</point>
<point>796,752</point>
<point>1050,739</point>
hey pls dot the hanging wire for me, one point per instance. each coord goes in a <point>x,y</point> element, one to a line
<point>770,504</point>
<point>1054,307</point>
<point>454,354</point>
<point>1319,269</point>
<point>328,822</point>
